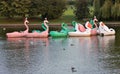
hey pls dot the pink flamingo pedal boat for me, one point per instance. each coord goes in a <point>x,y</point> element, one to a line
<point>19,34</point>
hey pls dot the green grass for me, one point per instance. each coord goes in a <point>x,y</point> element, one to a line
<point>67,17</point>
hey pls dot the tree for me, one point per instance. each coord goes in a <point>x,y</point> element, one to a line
<point>47,8</point>
<point>35,7</point>
<point>82,10</point>
<point>21,7</point>
<point>52,8</point>
<point>101,2</point>
<point>6,8</point>
<point>96,5</point>
<point>91,11</point>
<point>116,10</point>
<point>106,9</point>
<point>10,8</point>
<point>90,2</point>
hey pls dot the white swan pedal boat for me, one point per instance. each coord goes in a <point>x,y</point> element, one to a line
<point>80,31</point>
<point>104,30</point>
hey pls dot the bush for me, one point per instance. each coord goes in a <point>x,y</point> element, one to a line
<point>71,2</point>
<point>82,10</point>
<point>47,8</point>
<point>53,9</point>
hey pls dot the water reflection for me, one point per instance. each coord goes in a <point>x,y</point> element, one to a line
<point>88,55</point>
<point>106,41</point>
<point>20,53</point>
<point>28,40</point>
<point>111,53</point>
<point>26,44</point>
<point>92,51</point>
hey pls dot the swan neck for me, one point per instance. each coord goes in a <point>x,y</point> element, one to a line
<point>27,28</point>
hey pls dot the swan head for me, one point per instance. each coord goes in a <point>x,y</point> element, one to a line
<point>95,19</point>
<point>88,25</point>
<point>74,23</point>
<point>46,21</point>
<point>26,20</point>
<point>101,24</point>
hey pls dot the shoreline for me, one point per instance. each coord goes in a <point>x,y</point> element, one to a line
<point>111,24</point>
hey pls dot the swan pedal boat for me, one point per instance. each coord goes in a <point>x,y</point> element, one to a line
<point>104,30</point>
<point>88,25</point>
<point>38,33</point>
<point>62,33</point>
<point>34,34</point>
<point>19,34</point>
<point>80,31</point>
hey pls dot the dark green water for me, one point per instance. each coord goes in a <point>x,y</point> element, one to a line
<point>87,55</point>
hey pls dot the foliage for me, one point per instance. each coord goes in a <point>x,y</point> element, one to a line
<point>47,8</point>
<point>35,8</point>
<point>67,17</point>
<point>116,10</point>
<point>106,9</point>
<point>52,9</point>
<point>5,8</point>
<point>101,2</point>
<point>91,11</point>
<point>71,2</point>
<point>82,10</point>
<point>10,8</point>
<point>96,5</point>
<point>90,2</point>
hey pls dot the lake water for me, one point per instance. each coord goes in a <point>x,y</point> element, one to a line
<point>72,55</point>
